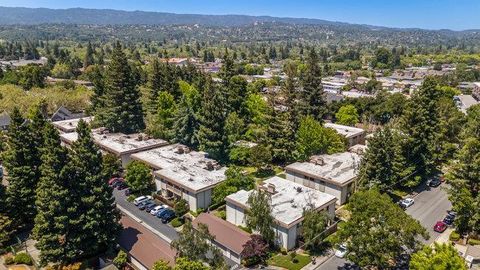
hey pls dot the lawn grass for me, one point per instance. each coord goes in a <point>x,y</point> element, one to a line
<point>285,261</point>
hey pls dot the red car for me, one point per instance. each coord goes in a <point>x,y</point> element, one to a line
<point>114,180</point>
<point>440,226</point>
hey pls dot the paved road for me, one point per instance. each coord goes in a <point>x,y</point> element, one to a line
<point>431,205</point>
<point>147,218</point>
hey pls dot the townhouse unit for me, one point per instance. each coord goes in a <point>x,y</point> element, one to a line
<point>333,174</point>
<point>352,134</point>
<point>182,173</point>
<point>118,144</point>
<point>288,201</point>
<point>227,237</point>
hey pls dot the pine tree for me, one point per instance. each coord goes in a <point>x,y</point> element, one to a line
<point>211,133</point>
<point>93,217</point>
<point>236,94</point>
<point>187,118</point>
<point>88,60</point>
<point>122,109</point>
<point>228,70</point>
<point>280,135</point>
<point>20,160</point>
<point>157,81</point>
<point>312,101</point>
<point>51,222</point>
<point>383,164</point>
<point>419,122</point>
<point>6,226</point>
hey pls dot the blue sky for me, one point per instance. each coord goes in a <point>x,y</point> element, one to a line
<point>429,14</point>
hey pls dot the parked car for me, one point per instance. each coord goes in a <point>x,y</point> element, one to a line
<point>161,212</point>
<point>434,182</point>
<point>157,209</point>
<point>143,205</point>
<point>440,227</point>
<point>149,206</point>
<point>448,220</point>
<point>142,199</point>
<point>121,186</point>
<point>114,180</point>
<point>127,192</point>
<point>167,215</point>
<point>341,251</point>
<point>407,202</point>
<point>452,214</point>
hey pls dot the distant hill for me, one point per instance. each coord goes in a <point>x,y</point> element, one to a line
<point>32,16</point>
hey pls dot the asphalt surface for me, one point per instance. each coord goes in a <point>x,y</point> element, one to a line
<point>431,205</point>
<point>147,218</point>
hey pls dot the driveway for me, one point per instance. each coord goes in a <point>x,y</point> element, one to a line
<point>431,205</point>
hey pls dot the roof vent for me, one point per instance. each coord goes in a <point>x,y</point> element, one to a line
<point>209,166</point>
<point>179,150</point>
<point>317,160</point>
<point>299,189</point>
<point>140,137</point>
<point>271,188</point>
<point>190,179</point>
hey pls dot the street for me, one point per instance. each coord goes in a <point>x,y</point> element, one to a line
<point>431,205</point>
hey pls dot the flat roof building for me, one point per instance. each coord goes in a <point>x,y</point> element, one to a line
<point>288,201</point>
<point>182,173</point>
<point>464,102</point>
<point>67,126</point>
<point>352,134</point>
<point>333,174</point>
<point>118,144</point>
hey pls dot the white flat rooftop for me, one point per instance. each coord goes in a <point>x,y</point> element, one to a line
<point>118,143</point>
<point>465,101</point>
<point>346,131</point>
<point>288,200</point>
<point>71,124</point>
<point>194,177</point>
<point>340,168</point>
<point>169,156</point>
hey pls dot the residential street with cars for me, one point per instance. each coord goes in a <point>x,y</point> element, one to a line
<point>430,206</point>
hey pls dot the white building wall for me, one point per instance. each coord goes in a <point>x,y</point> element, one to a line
<point>125,159</point>
<point>285,238</point>
<point>235,214</point>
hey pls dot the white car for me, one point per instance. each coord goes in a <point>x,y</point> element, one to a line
<point>157,209</point>
<point>142,199</point>
<point>341,251</point>
<point>407,202</point>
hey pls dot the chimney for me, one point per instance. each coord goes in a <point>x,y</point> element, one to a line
<point>209,166</point>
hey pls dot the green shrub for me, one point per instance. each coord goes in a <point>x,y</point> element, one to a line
<point>284,251</point>
<point>181,207</point>
<point>121,259</point>
<point>248,230</point>
<point>23,258</point>
<point>176,222</point>
<point>454,236</point>
<point>293,254</point>
<point>221,214</point>
<point>473,242</point>
<point>9,260</point>
<point>130,198</point>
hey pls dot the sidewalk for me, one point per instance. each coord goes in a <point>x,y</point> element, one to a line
<point>319,261</point>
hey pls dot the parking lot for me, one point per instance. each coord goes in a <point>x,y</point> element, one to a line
<point>168,231</point>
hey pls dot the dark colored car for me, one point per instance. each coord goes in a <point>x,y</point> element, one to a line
<point>161,212</point>
<point>142,205</point>
<point>149,206</point>
<point>448,220</point>
<point>440,227</point>
<point>121,186</point>
<point>127,192</point>
<point>434,182</point>
<point>167,216</point>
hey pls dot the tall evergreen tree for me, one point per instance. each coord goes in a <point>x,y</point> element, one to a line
<point>88,60</point>
<point>93,216</point>
<point>51,222</point>
<point>383,164</point>
<point>211,133</point>
<point>312,100</point>
<point>20,160</point>
<point>236,94</point>
<point>157,81</point>
<point>419,122</point>
<point>6,226</point>
<point>280,134</point>
<point>228,68</point>
<point>122,109</point>
<point>187,117</point>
